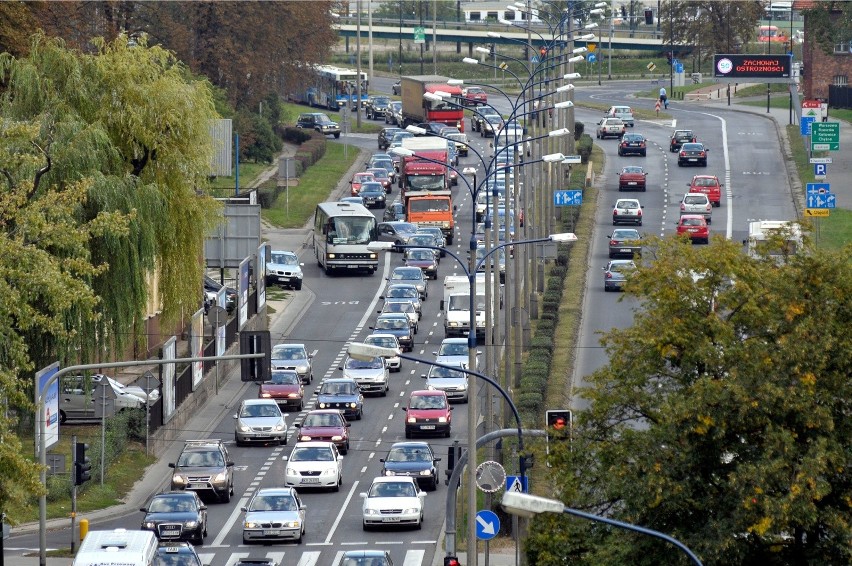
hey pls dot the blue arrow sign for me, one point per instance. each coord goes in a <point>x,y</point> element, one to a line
<point>591,57</point>
<point>817,188</point>
<point>805,124</point>
<point>518,484</point>
<point>568,198</point>
<point>820,169</point>
<point>823,200</point>
<point>487,525</point>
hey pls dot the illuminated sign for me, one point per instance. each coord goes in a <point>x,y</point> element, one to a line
<point>760,68</point>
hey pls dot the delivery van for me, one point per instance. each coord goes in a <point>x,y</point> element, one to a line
<point>118,547</point>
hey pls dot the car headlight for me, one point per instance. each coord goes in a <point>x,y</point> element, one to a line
<point>389,473</point>
<point>371,512</point>
<point>331,256</point>
<point>251,525</point>
<point>410,510</point>
<point>353,405</point>
<point>454,323</point>
<point>412,420</point>
<point>280,427</point>
<point>178,480</point>
<point>373,256</point>
<point>442,419</point>
<point>426,472</point>
<point>148,525</point>
<point>291,524</point>
<point>304,438</point>
<point>330,471</point>
<point>302,369</point>
<point>242,427</point>
<point>220,477</point>
<point>191,524</point>
<point>265,395</point>
<point>336,438</point>
<point>293,395</point>
<point>292,472</point>
<point>430,387</point>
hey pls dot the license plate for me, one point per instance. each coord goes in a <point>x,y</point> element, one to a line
<point>631,182</point>
<point>693,159</point>
<point>196,486</point>
<point>625,250</point>
<point>390,519</point>
<point>271,532</point>
<point>352,266</point>
<point>310,480</point>
<point>692,230</point>
<point>428,427</point>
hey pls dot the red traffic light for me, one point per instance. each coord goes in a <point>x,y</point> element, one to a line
<point>558,419</point>
<point>543,51</point>
<point>451,561</point>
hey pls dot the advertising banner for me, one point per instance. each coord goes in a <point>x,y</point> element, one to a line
<point>196,346</point>
<point>167,378</point>
<point>51,405</point>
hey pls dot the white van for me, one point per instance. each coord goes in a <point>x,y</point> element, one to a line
<point>119,547</point>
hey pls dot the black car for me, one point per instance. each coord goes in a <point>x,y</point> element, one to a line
<point>632,144</point>
<point>395,212</point>
<point>373,195</point>
<point>211,289</point>
<point>692,154</point>
<point>172,553</point>
<point>376,107</point>
<point>176,515</point>
<point>413,459</point>
<point>680,137</point>
<point>319,122</point>
<point>386,135</point>
<point>399,325</point>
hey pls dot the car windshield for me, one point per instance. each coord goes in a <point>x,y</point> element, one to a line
<point>364,561</point>
<point>322,420</point>
<point>352,229</point>
<point>704,182</point>
<point>264,410</point>
<point>338,389</point>
<point>169,504</point>
<point>401,306</point>
<point>284,378</point>
<point>421,240</point>
<point>421,254</point>
<point>284,259</point>
<point>312,454</point>
<point>392,489</point>
<point>438,373</point>
<point>408,454</point>
<point>180,558</point>
<point>392,324</point>
<point>199,459</point>
<point>625,235</point>
<point>288,353</point>
<point>692,147</point>
<point>691,199</point>
<point>621,267</point>
<point>399,136</point>
<point>627,204</point>
<point>413,273</point>
<point>273,503</point>
<point>632,169</point>
<point>383,100</point>
<point>372,188</point>
<point>352,363</point>
<point>453,349</point>
<point>429,205</point>
<point>426,182</point>
<point>428,402</point>
<point>691,221</point>
<point>402,293</point>
<point>382,342</point>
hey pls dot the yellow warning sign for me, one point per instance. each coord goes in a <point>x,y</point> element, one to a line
<point>591,47</point>
<point>816,212</point>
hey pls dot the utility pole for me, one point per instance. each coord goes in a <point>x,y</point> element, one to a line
<point>435,36</point>
<point>358,77</point>
<point>370,35</point>
<point>420,9</point>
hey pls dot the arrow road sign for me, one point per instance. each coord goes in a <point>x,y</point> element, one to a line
<point>816,212</point>
<point>805,124</point>
<point>568,198</point>
<point>487,525</point>
<point>826,200</point>
<point>518,484</point>
<point>817,188</point>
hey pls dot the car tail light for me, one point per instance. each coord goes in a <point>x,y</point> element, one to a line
<point>683,154</point>
<point>615,212</point>
<point>640,212</point>
<point>641,144</point>
<point>682,206</point>
<point>613,242</point>
<point>701,154</point>
<point>608,275</point>
<point>709,206</point>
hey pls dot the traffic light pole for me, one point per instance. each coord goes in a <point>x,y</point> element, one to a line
<point>73,492</point>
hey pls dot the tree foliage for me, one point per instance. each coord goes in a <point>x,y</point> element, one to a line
<point>722,417</point>
<point>828,24</point>
<point>715,26</point>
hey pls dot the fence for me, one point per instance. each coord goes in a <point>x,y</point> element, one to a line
<point>839,96</point>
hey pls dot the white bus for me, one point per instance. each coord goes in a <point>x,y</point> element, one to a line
<point>342,232</point>
<point>332,87</point>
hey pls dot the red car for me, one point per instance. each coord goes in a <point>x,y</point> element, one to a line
<point>709,185</point>
<point>694,226</point>
<point>382,176</point>
<point>429,413</point>
<point>632,178</point>
<point>359,179</point>
<point>474,96</point>
<point>285,387</point>
<point>325,425</point>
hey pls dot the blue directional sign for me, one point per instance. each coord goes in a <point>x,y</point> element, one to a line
<point>591,57</point>
<point>518,484</point>
<point>805,124</point>
<point>817,188</point>
<point>820,169</point>
<point>568,198</point>
<point>826,200</point>
<point>487,525</point>
<point>678,68</point>
<point>534,59</point>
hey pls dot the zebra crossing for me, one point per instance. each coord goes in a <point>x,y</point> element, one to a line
<point>298,557</point>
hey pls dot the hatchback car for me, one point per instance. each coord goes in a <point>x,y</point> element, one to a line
<point>694,226</point>
<point>632,144</point>
<point>176,515</point>
<point>632,178</point>
<point>616,273</point>
<point>437,234</point>
<point>370,375</point>
<point>396,232</point>
<point>692,154</point>
<point>680,137</point>
<point>325,425</point>
<point>490,125</point>
<point>393,501</point>
<point>414,459</point>
<point>709,185</point>
<point>625,242</point>
<point>285,388</point>
<point>428,412</point>
<point>293,357</point>
<point>411,276</point>
<point>480,116</point>
<point>358,179</point>
<point>623,112</point>
<point>453,382</point>
<point>610,128</point>
<point>343,395</point>
<point>455,351</point>
<point>404,307</point>
<point>474,96</point>
<point>283,268</point>
<point>393,361</point>
<point>373,195</point>
<point>384,161</point>
<point>697,203</point>
<point>204,466</point>
<point>386,135</point>
<point>394,212</point>
<point>274,514</point>
<point>260,420</point>
<point>314,465</point>
<point>353,200</point>
<point>627,211</point>
<point>400,291</point>
<point>365,558</point>
<point>170,553</point>
<point>399,325</point>
<point>423,239</point>
<point>376,107</point>
<point>423,258</point>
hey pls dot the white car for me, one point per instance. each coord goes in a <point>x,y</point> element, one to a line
<point>394,363</point>
<point>454,351</point>
<point>451,381</point>
<point>697,203</point>
<point>276,507</point>
<point>610,127</point>
<point>260,420</point>
<point>627,211</point>
<point>393,500</point>
<point>371,376</point>
<point>314,465</point>
<point>403,306</point>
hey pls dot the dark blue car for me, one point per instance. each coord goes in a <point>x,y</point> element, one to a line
<point>413,459</point>
<point>343,395</point>
<point>373,195</point>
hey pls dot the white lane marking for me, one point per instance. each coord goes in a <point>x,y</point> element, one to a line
<point>413,557</point>
<point>342,510</point>
<point>363,470</point>
<point>307,559</point>
<point>729,192</point>
<point>232,519</point>
<point>371,455</point>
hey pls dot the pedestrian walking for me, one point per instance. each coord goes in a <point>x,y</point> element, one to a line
<point>664,99</point>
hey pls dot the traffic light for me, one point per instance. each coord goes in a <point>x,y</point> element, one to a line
<point>649,17</point>
<point>82,464</point>
<point>451,561</point>
<point>558,423</point>
<point>256,342</point>
<point>669,57</point>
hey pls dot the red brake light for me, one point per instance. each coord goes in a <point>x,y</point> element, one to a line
<point>683,154</point>
<point>613,243</point>
<point>682,206</point>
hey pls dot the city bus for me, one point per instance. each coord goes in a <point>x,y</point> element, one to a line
<point>342,232</point>
<point>332,87</point>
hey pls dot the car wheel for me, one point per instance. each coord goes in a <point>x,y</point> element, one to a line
<point>283,441</point>
<point>360,414</point>
<point>298,285</point>
<point>434,485</point>
<point>644,153</point>
<point>337,135</point>
<point>420,523</point>
<point>407,434</point>
<point>448,433</point>
<point>366,526</point>
<point>237,440</point>
<point>246,541</point>
<point>226,498</point>
<point>337,485</point>
<point>199,540</point>
<point>345,449</point>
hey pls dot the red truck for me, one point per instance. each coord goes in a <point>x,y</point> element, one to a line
<point>429,174</point>
<point>416,109</point>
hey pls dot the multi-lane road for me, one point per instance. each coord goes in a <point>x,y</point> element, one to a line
<point>745,154</point>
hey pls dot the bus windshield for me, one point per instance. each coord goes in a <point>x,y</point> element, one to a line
<point>351,230</point>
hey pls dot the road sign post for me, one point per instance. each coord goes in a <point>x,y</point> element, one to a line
<point>825,136</point>
<point>487,525</point>
<point>568,198</point>
<point>519,484</point>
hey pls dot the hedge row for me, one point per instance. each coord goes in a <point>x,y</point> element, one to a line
<point>312,146</point>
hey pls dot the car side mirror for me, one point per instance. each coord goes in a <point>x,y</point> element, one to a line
<point>339,367</point>
<point>297,425</point>
<point>423,375</point>
<point>229,464</point>
<point>203,508</point>
<point>171,464</point>
<point>371,327</point>
<point>347,425</point>
<point>452,408</point>
<point>143,509</point>
<point>243,509</point>
<point>404,409</point>
<point>382,460</point>
<point>236,417</point>
<point>362,495</point>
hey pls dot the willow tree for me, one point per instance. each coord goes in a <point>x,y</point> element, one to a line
<point>722,417</point>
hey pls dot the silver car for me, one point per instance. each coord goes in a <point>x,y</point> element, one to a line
<point>274,514</point>
<point>284,269</point>
<point>293,357</point>
<point>404,307</point>
<point>411,276</point>
<point>371,376</point>
<point>451,381</point>
<point>404,291</point>
<point>394,362</point>
<point>260,420</point>
<point>454,351</point>
<point>697,203</point>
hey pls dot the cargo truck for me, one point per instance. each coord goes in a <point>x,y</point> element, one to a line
<point>455,305</point>
<point>416,109</point>
<point>431,208</point>
<point>426,170</point>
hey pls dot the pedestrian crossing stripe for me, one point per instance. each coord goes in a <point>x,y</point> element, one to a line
<point>306,558</point>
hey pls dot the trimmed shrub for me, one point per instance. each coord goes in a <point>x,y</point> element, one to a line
<point>530,401</point>
<point>294,135</point>
<point>558,272</point>
<point>579,128</point>
<point>584,147</point>
<point>542,341</point>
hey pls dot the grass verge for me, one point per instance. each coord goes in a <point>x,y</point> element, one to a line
<point>248,173</point>
<point>293,210</point>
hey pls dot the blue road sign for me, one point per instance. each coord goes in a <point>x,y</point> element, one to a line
<point>568,198</point>
<point>534,59</point>
<point>817,188</point>
<point>487,525</point>
<point>820,169</point>
<point>805,124</point>
<point>591,57</point>
<point>518,484</point>
<point>678,68</point>
<point>823,200</point>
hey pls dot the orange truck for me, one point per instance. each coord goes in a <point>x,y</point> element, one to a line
<point>432,208</point>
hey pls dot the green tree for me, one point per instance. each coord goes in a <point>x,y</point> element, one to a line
<point>709,26</point>
<point>721,418</point>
